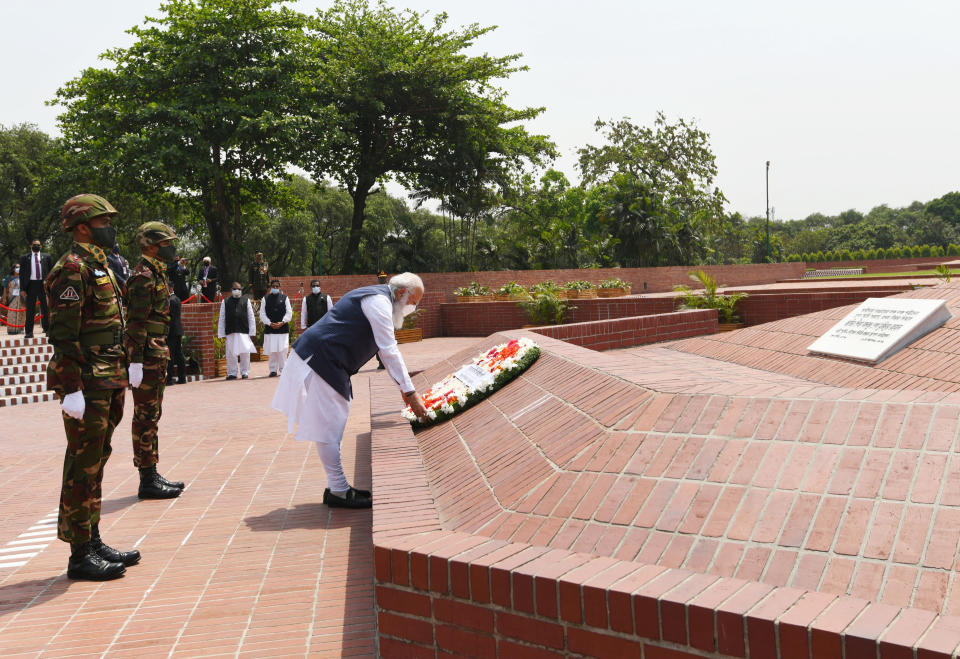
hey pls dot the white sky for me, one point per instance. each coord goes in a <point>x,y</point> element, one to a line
<point>855,103</point>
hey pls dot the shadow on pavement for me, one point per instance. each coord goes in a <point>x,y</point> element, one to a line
<point>113,505</point>
<point>304,516</point>
<point>20,596</point>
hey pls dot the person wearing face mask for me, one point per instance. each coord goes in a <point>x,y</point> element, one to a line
<point>11,299</point>
<point>314,306</point>
<point>34,268</point>
<point>236,325</point>
<point>145,340</point>
<point>88,372</point>
<point>275,314</point>
<point>315,389</point>
<point>119,265</point>
<point>208,278</point>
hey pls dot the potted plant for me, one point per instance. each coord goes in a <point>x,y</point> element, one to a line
<point>725,304</point>
<point>511,291</point>
<point>613,287</point>
<point>472,293</point>
<point>546,308</point>
<point>580,289</point>
<point>219,352</point>
<point>550,288</point>
<point>410,333</point>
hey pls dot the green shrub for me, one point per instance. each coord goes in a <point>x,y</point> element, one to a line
<point>578,285</point>
<point>474,289</point>
<point>545,308</point>
<point>953,250</point>
<point>613,282</point>
<point>925,250</point>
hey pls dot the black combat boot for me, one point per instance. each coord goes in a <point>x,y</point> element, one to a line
<point>110,554</point>
<point>85,563</point>
<point>151,487</point>
<point>177,484</point>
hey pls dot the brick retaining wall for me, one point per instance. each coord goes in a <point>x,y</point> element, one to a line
<point>635,331</point>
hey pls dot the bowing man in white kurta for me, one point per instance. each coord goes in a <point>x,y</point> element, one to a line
<point>314,391</point>
<point>275,313</point>
<point>237,325</point>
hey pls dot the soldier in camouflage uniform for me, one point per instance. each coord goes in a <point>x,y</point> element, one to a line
<point>148,320</point>
<point>88,371</point>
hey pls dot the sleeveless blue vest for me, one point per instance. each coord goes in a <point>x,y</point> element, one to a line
<point>342,340</point>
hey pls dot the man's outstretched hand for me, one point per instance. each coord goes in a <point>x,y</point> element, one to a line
<point>416,405</point>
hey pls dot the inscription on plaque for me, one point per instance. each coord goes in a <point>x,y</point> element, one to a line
<point>880,327</point>
<point>473,376</point>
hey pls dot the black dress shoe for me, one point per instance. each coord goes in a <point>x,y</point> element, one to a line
<point>87,564</point>
<point>231,377</point>
<point>182,381</point>
<point>244,376</point>
<point>151,487</point>
<point>273,374</point>
<point>363,493</point>
<point>352,499</point>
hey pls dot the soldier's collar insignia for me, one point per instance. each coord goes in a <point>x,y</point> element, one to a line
<point>95,252</point>
<point>158,265</point>
<point>69,293</point>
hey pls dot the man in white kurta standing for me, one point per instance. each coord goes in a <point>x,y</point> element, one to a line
<point>275,314</point>
<point>237,325</point>
<point>315,389</point>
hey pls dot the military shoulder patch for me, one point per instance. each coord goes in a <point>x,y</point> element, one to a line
<point>69,293</point>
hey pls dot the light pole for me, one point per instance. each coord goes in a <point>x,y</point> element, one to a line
<point>768,211</point>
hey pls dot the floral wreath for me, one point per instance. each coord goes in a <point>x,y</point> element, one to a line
<point>475,381</point>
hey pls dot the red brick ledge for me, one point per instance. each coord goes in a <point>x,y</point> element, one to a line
<point>634,331</point>
<point>443,593</point>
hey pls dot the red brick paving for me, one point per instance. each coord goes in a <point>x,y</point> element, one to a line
<point>246,562</point>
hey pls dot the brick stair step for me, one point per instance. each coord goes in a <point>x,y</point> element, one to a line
<point>26,359</point>
<point>6,401</point>
<point>7,353</point>
<point>22,378</point>
<point>18,389</point>
<point>14,369</point>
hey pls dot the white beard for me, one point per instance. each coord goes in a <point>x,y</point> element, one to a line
<point>398,312</point>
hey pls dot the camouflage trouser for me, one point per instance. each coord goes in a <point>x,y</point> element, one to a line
<point>88,447</point>
<point>147,408</point>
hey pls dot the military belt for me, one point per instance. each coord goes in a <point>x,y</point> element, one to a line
<point>101,338</point>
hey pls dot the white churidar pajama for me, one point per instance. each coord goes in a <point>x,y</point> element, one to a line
<point>276,345</point>
<point>316,407</point>
<point>237,344</point>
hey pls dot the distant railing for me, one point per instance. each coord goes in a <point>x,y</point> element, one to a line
<point>832,272</point>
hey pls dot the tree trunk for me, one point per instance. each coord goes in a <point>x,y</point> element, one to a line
<point>352,250</point>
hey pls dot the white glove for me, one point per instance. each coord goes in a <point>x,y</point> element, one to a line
<point>135,375</point>
<point>74,404</point>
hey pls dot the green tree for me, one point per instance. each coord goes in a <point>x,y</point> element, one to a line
<point>659,189</point>
<point>31,189</point>
<point>207,102</point>
<point>407,102</point>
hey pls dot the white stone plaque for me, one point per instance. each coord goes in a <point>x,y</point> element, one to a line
<point>474,376</point>
<point>880,327</point>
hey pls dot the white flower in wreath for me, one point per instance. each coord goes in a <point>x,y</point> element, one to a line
<point>432,415</point>
<point>446,409</point>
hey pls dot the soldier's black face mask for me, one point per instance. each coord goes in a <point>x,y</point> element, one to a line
<point>35,248</point>
<point>167,253</point>
<point>104,237</point>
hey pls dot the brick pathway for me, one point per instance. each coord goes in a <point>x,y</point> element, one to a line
<point>246,562</point>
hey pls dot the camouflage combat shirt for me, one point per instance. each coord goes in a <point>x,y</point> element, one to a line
<point>86,323</point>
<point>148,311</point>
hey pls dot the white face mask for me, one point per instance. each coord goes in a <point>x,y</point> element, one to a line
<point>235,292</point>
<point>274,290</point>
<point>316,290</point>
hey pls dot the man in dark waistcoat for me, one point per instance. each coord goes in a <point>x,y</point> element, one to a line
<point>327,354</point>
<point>314,306</point>
<point>275,314</point>
<point>235,326</point>
<point>88,371</point>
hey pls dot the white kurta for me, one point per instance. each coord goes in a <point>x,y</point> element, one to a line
<point>303,310</point>
<point>309,402</point>
<point>273,343</point>
<point>237,344</point>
